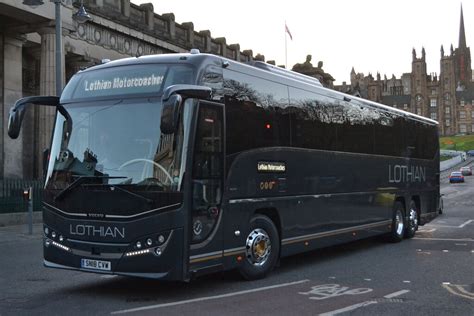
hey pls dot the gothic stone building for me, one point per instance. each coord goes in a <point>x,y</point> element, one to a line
<point>447,98</point>
<point>27,60</point>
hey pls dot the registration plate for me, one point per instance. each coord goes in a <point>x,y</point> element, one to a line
<point>95,264</point>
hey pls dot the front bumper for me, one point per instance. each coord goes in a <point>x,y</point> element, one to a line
<point>150,247</point>
<point>158,261</point>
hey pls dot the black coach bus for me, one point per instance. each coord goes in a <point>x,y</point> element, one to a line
<point>176,165</point>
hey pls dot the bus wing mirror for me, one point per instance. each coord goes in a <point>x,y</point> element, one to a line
<point>187,91</point>
<point>170,114</point>
<point>17,112</point>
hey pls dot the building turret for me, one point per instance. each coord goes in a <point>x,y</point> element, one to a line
<point>462,56</point>
<point>462,34</point>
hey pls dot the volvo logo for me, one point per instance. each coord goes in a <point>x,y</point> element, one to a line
<point>97,231</point>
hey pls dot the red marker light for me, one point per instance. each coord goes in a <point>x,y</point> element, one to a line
<point>268,126</point>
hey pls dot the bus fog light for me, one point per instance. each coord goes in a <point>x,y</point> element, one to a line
<point>158,251</point>
<point>161,239</point>
<point>46,230</point>
<point>53,234</point>
<point>149,242</point>
<point>47,242</point>
<point>139,244</point>
<point>61,238</point>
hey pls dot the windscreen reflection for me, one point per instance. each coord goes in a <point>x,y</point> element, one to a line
<point>117,143</point>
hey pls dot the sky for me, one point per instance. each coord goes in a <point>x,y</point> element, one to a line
<point>369,35</point>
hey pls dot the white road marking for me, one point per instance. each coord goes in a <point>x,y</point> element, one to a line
<point>363,304</point>
<point>348,308</point>
<point>445,250</point>
<point>406,281</point>
<point>207,298</point>
<point>458,290</point>
<point>367,279</point>
<point>427,230</point>
<point>444,239</point>
<point>395,294</point>
<point>327,291</point>
<point>466,223</point>
<point>460,244</point>
<point>449,226</point>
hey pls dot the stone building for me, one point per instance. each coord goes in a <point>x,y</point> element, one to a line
<point>27,60</point>
<point>447,98</point>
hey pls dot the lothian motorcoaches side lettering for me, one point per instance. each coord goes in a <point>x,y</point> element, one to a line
<point>404,173</point>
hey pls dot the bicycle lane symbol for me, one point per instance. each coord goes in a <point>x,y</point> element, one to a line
<point>326,291</point>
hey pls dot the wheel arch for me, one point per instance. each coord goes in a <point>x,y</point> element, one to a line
<point>417,200</point>
<point>402,200</point>
<point>273,214</point>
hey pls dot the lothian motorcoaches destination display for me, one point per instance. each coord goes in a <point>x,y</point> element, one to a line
<point>123,83</point>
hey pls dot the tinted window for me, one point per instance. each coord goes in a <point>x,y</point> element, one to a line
<point>256,112</point>
<point>389,134</point>
<point>213,79</point>
<point>313,120</point>
<point>422,139</point>
<point>356,131</point>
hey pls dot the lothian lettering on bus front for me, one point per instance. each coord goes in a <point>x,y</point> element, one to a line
<point>97,231</point>
<point>121,83</point>
<point>404,173</point>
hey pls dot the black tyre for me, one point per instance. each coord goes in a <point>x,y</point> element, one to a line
<point>411,221</point>
<point>262,248</point>
<point>398,223</point>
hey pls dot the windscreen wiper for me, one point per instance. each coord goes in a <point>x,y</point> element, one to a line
<point>78,182</point>
<point>149,201</point>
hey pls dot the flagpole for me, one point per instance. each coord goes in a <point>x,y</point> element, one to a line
<point>286,50</point>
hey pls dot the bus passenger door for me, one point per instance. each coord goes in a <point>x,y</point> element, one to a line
<point>207,180</point>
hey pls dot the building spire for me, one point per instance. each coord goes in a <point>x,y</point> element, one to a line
<point>462,34</point>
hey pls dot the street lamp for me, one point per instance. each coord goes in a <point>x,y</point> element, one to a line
<point>81,16</point>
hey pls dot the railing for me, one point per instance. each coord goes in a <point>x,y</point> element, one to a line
<point>11,195</point>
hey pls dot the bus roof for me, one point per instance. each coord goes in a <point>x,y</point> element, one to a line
<point>255,67</point>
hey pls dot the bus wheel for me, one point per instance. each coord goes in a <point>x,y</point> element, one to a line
<point>398,223</point>
<point>412,222</point>
<point>262,248</point>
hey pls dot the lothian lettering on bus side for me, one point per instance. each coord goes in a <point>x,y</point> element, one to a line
<point>94,231</point>
<point>403,173</point>
<point>119,83</point>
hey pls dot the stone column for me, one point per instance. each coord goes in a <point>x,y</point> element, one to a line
<point>149,15</point>
<point>223,45</point>
<point>189,26</point>
<point>47,87</point>
<point>169,17</point>
<point>236,49</point>
<point>12,91</point>
<point>207,39</point>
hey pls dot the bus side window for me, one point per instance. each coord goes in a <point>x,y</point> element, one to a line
<point>213,79</point>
